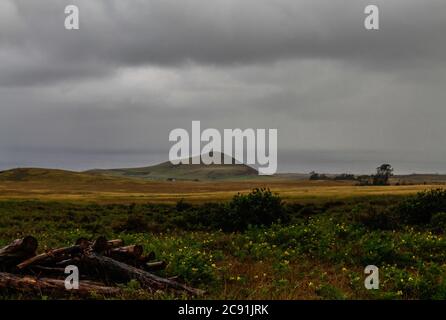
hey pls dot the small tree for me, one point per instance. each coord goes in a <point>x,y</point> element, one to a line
<point>383,174</point>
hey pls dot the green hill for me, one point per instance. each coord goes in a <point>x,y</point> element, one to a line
<point>168,171</point>
<point>47,175</point>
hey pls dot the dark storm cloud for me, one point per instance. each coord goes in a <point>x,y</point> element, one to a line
<point>108,94</point>
<point>167,32</point>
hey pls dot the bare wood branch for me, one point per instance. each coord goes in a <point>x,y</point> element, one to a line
<point>120,271</point>
<point>49,255</point>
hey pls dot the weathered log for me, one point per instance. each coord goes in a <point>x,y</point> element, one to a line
<point>100,245</point>
<point>48,270</point>
<point>67,262</point>
<point>27,284</point>
<point>118,271</point>
<point>84,242</point>
<point>27,244</point>
<point>17,251</point>
<point>155,266</point>
<point>115,243</point>
<point>50,255</point>
<point>147,258</point>
<point>128,254</point>
<point>133,251</point>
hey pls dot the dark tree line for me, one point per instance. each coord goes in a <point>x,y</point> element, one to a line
<point>380,178</point>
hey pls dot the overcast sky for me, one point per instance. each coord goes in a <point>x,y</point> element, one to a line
<point>342,98</point>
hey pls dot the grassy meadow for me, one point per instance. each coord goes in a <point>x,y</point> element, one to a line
<point>327,232</point>
<point>61,185</point>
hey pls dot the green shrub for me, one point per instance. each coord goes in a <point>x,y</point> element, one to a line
<point>309,210</point>
<point>258,208</point>
<point>419,209</point>
<point>438,222</point>
<point>183,205</point>
<point>192,266</point>
<point>201,217</point>
<point>135,223</point>
<point>378,248</point>
<point>376,219</point>
<point>329,292</point>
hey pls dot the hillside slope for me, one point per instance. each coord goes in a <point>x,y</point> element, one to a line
<point>168,171</point>
<point>195,172</point>
<point>46,175</point>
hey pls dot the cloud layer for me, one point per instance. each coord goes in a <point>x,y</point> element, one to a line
<point>343,98</point>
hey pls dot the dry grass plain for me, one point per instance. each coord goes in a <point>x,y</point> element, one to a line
<point>117,190</point>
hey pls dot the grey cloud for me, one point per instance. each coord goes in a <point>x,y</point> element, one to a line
<point>165,32</point>
<point>108,95</point>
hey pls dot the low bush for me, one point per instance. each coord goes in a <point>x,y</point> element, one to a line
<point>438,222</point>
<point>376,219</point>
<point>419,209</point>
<point>259,208</point>
<point>135,223</point>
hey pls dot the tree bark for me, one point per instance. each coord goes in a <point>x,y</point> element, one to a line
<point>133,251</point>
<point>52,286</point>
<point>155,266</point>
<point>115,243</point>
<point>52,255</point>
<point>17,251</point>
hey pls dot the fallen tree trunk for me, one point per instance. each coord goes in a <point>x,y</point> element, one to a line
<point>129,254</point>
<point>67,262</point>
<point>133,251</point>
<point>115,243</point>
<point>110,243</point>
<point>118,271</point>
<point>26,284</point>
<point>52,255</point>
<point>155,266</point>
<point>27,244</point>
<point>17,251</point>
<point>47,270</point>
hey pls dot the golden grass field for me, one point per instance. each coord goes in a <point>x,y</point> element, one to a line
<point>117,190</point>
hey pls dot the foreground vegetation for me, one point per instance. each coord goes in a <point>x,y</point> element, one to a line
<point>258,247</point>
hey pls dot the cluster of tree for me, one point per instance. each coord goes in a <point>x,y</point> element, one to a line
<point>321,176</point>
<point>381,178</point>
<point>345,176</point>
<point>318,176</point>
